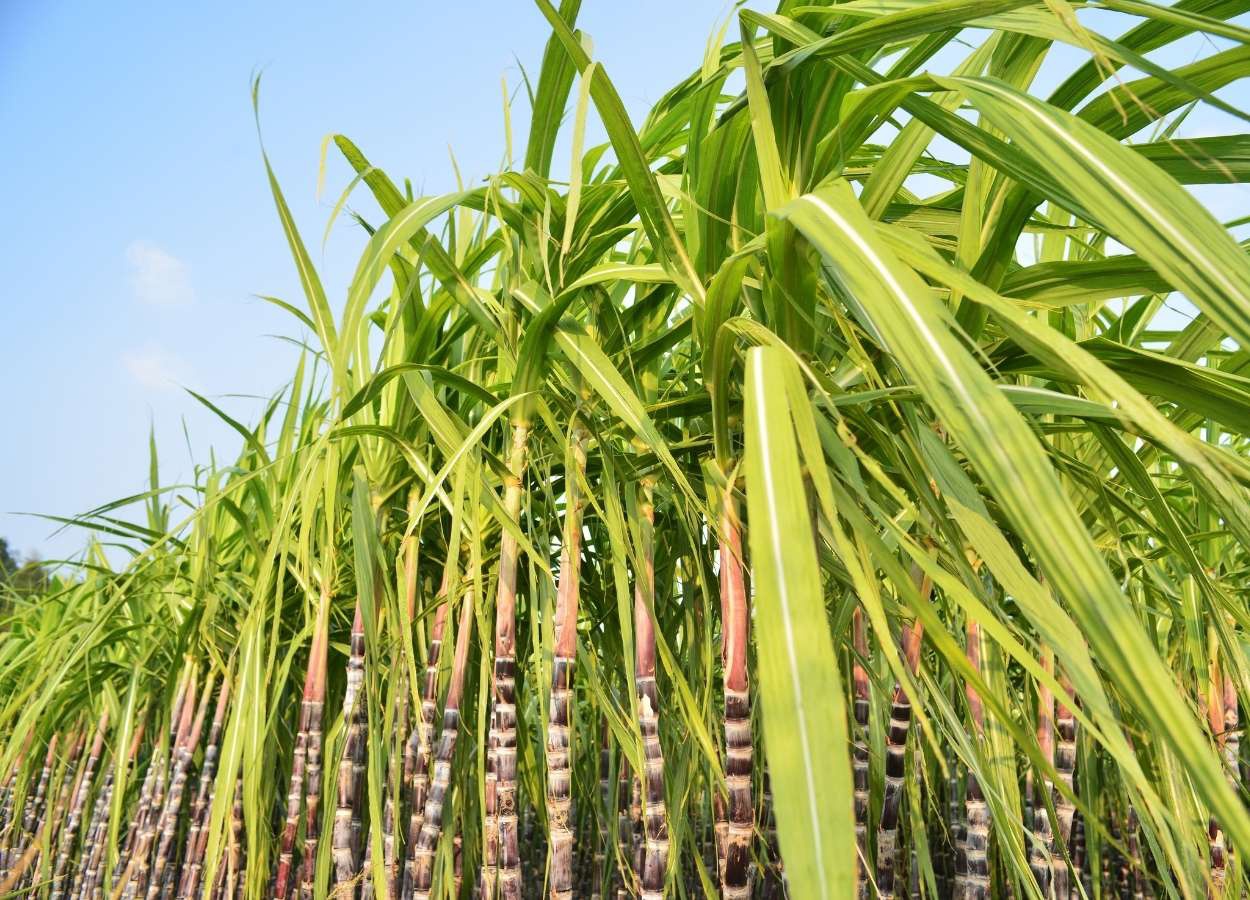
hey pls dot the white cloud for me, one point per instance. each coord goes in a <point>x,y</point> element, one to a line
<point>155,368</point>
<point>156,277</point>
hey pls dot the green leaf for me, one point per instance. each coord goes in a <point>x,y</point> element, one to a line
<point>805,732</point>
<point>917,330</point>
<point>1141,206</point>
<point>644,189</point>
<point>555,79</point>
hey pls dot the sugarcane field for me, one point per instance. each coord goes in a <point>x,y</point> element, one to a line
<point>828,479</point>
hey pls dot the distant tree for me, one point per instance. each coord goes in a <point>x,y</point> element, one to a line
<point>20,576</point>
<point>8,562</point>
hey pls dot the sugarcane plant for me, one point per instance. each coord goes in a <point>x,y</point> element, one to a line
<point>833,486</point>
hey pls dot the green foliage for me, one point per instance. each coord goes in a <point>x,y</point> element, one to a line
<point>18,576</point>
<point>959,410</point>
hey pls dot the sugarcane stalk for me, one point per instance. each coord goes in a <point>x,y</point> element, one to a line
<point>654,868</point>
<point>1230,738</point>
<point>559,776</point>
<point>314,696</point>
<point>977,880</point>
<point>720,830</point>
<point>1065,767</point>
<point>346,834</point>
<point>414,814</point>
<point>167,773</point>
<point>399,876</point>
<point>8,813</point>
<point>310,708</point>
<point>294,800</point>
<point>93,840</point>
<point>958,830</point>
<point>896,750</point>
<point>30,815</point>
<point>440,787</point>
<point>977,877</point>
<point>168,886</point>
<point>51,819</point>
<point>60,872</point>
<point>168,823</point>
<point>501,856</point>
<point>735,633</point>
<point>134,862</point>
<point>125,860</point>
<point>859,758</point>
<point>489,877</point>
<point>418,748</point>
<point>93,858</point>
<point>1216,719</point>
<point>368,889</point>
<point>895,771</point>
<point>201,808</point>
<point>19,869</point>
<point>1041,850</point>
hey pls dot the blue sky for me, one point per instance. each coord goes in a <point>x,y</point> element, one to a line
<point>140,226</point>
